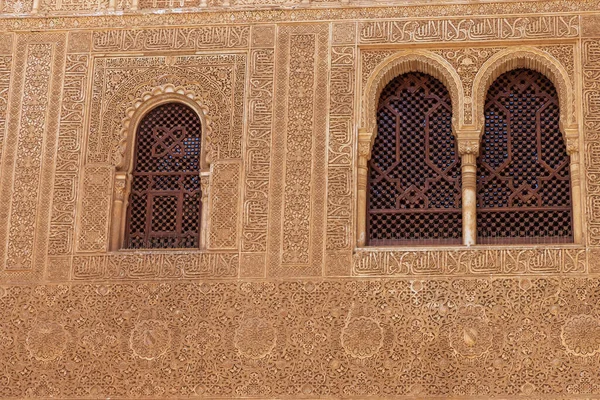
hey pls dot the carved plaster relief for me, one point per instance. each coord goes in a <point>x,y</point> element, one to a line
<point>29,150</point>
<point>533,337</point>
<point>298,212</point>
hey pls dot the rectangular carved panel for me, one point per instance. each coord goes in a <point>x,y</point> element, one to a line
<point>468,29</point>
<point>301,100</point>
<point>68,157</point>
<point>224,204</point>
<point>156,265</point>
<point>198,38</point>
<point>30,146</point>
<point>5,70</point>
<point>339,158</point>
<point>591,114</point>
<point>94,213</point>
<point>258,151</point>
<point>470,262</point>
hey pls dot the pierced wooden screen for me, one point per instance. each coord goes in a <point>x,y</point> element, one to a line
<point>164,204</point>
<point>523,182</point>
<point>414,183</point>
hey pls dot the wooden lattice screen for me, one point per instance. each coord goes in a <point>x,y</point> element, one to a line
<point>164,204</point>
<point>523,182</point>
<point>414,194</point>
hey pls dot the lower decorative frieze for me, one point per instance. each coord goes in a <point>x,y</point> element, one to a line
<point>409,338</point>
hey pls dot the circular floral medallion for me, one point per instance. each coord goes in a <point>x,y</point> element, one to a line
<point>255,338</point>
<point>581,335</point>
<point>150,339</point>
<point>47,340</point>
<point>471,334</point>
<point>362,337</point>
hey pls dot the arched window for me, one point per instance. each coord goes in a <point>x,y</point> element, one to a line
<point>165,201</point>
<point>523,180</point>
<point>414,181</point>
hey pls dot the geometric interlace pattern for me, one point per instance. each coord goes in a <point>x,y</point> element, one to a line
<point>165,200</point>
<point>523,180</point>
<point>415,171</point>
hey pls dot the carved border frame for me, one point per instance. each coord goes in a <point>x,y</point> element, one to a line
<point>123,172</point>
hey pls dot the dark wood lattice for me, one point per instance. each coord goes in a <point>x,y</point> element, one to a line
<point>414,173</point>
<point>523,180</point>
<point>164,204</point>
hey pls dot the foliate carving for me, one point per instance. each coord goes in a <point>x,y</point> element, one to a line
<point>564,54</point>
<point>467,62</point>
<point>224,206</point>
<point>362,337</point>
<point>29,150</point>
<point>68,157</point>
<point>310,11</point>
<point>468,147</point>
<point>95,207</point>
<point>581,335</point>
<point>121,83</point>
<point>471,333</point>
<point>469,29</point>
<point>370,59</point>
<point>79,42</point>
<point>297,197</point>
<point>156,265</point>
<point>339,158</point>
<point>255,338</point>
<point>343,33</point>
<point>150,339</point>
<point>15,6</point>
<point>263,36</point>
<point>258,151</point>
<point>200,38</point>
<point>73,5</point>
<point>303,126</point>
<point>229,339</point>
<point>47,340</point>
<point>29,155</point>
<point>471,261</point>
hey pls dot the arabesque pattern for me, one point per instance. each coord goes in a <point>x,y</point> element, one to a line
<point>532,337</point>
<point>280,87</point>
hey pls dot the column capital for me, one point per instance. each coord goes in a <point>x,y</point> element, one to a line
<point>120,185</point>
<point>365,138</point>
<point>468,146</point>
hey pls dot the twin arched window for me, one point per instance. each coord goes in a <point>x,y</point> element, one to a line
<point>165,199</point>
<point>414,178</point>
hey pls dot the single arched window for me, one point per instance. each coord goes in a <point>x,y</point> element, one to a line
<point>164,206</point>
<point>523,180</point>
<point>414,181</point>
